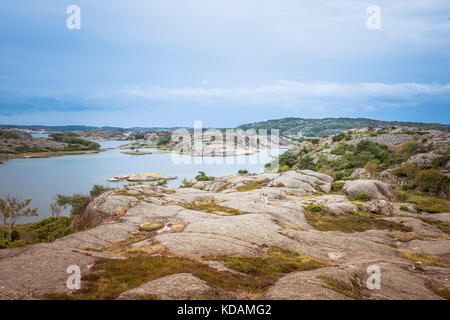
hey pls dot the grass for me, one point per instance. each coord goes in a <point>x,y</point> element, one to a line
<point>423,202</point>
<point>275,261</point>
<point>111,277</point>
<point>350,290</point>
<point>209,205</point>
<point>427,259</point>
<point>151,226</point>
<point>406,237</point>
<point>252,185</point>
<point>443,226</point>
<point>350,223</point>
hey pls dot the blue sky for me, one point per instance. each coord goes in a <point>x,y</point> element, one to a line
<point>225,62</point>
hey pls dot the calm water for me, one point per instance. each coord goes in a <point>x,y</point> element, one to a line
<point>41,179</point>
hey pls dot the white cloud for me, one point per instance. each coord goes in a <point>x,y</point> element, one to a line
<point>317,95</point>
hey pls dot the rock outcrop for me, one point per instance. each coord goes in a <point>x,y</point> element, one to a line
<point>376,189</point>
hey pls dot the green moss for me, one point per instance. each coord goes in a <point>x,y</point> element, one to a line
<point>209,205</point>
<point>350,290</point>
<point>350,223</point>
<point>252,185</point>
<point>276,261</point>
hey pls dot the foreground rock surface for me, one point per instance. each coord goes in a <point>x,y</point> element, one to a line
<point>243,215</point>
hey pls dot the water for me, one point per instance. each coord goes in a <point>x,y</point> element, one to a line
<point>39,135</point>
<point>41,179</point>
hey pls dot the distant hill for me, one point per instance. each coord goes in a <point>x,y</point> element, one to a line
<point>82,128</point>
<point>57,128</point>
<point>320,127</point>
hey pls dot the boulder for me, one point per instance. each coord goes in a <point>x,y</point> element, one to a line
<point>360,173</point>
<point>379,207</point>
<point>376,189</point>
<point>423,159</point>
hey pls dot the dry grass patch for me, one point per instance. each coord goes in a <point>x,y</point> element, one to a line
<point>350,223</point>
<point>275,261</point>
<point>209,205</point>
<point>427,259</point>
<point>252,185</point>
<point>111,277</point>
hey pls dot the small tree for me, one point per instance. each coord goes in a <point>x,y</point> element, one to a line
<point>12,208</point>
<point>55,210</point>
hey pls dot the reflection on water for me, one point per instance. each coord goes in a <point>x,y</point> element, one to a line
<point>41,179</point>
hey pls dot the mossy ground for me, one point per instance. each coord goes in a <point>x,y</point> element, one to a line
<point>111,277</point>
<point>350,223</point>
<point>350,290</point>
<point>252,185</point>
<point>443,226</point>
<point>427,259</point>
<point>423,202</point>
<point>275,261</point>
<point>209,205</point>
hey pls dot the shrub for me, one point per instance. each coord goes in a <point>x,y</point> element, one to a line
<point>78,202</point>
<point>409,149</point>
<point>342,136</point>
<point>203,177</point>
<point>407,169</point>
<point>404,208</point>
<point>243,172</point>
<point>337,186</point>
<point>306,163</point>
<point>325,169</point>
<point>49,229</point>
<point>371,167</point>
<point>441,161</point>
<point>98,190</point>
<point>287,159</point>
<point>363,197</point>
<point>431,181</point>
<point>186,184</point>
<point>314,207</point>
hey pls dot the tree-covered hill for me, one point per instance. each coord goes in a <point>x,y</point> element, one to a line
<point>320,127</point>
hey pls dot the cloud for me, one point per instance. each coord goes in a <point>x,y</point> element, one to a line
<point>318,95</point>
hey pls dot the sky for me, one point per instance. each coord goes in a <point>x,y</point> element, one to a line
<point>224,62</point>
